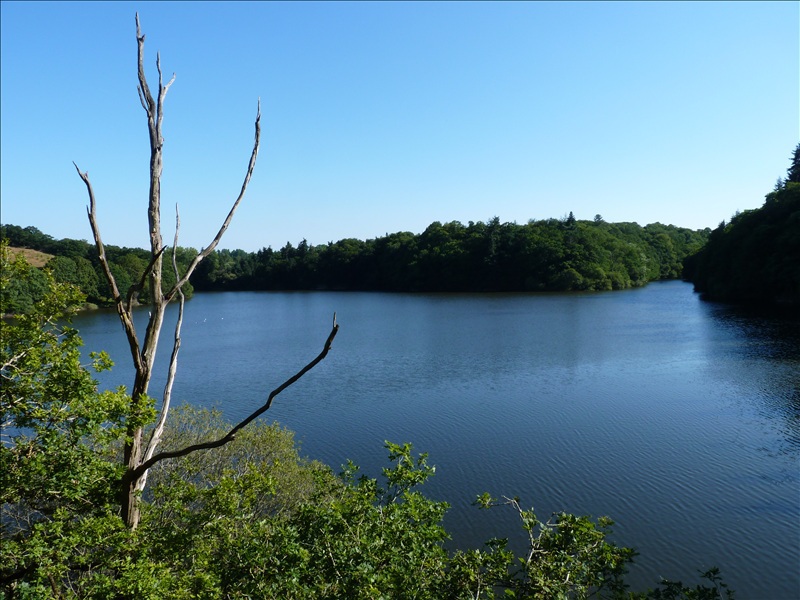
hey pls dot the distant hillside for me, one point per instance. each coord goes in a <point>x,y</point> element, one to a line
<point>755,258</point>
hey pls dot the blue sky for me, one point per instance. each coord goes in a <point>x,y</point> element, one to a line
<point>383,117</point>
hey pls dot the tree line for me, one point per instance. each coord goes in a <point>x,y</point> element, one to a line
<point>545,255</point>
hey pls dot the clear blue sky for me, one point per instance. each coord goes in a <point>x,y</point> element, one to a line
<point>383,117</point>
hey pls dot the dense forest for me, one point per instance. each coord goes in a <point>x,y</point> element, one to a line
<point>755,257</point>
<point>552,255</point>
<point>546,255</point>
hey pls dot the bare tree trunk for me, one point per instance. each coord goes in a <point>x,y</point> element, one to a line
<point>139,455</point>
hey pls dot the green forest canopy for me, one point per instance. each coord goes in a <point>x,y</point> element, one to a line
<point>546,255</point>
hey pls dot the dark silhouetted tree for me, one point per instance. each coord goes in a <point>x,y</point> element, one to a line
<point>794,170</point>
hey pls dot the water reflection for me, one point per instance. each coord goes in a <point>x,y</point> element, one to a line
<point>762,360</point>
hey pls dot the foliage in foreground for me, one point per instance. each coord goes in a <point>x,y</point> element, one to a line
<point>349,537</point>
<point>251,519</point>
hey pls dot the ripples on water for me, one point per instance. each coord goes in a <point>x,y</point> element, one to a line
<point>679,419</point>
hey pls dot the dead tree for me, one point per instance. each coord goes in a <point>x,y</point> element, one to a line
<point>141,446</point>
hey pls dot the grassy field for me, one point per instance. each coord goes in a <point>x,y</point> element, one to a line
<point>34,257</point>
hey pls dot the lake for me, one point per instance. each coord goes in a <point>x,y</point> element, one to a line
<point>678,418</point>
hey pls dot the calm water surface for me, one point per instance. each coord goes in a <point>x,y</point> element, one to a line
<point>679,419</point>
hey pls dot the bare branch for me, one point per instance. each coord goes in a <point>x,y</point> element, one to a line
<point>231,435</point>
<point>169,83</point>
<point>162,89</point>
<point>124,314</point>
<point>96,233</point>
<point>162,93</point>
<point>144,90</point>
<point>155,437</point>
<point>141,97</point>
<point>208,250</point>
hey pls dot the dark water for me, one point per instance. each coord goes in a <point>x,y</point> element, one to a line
<point>678,418</point>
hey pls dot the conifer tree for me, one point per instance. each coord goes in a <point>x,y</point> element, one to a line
<point>793,174</point>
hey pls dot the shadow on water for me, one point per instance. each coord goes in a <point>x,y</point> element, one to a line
<point>751,339</point>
